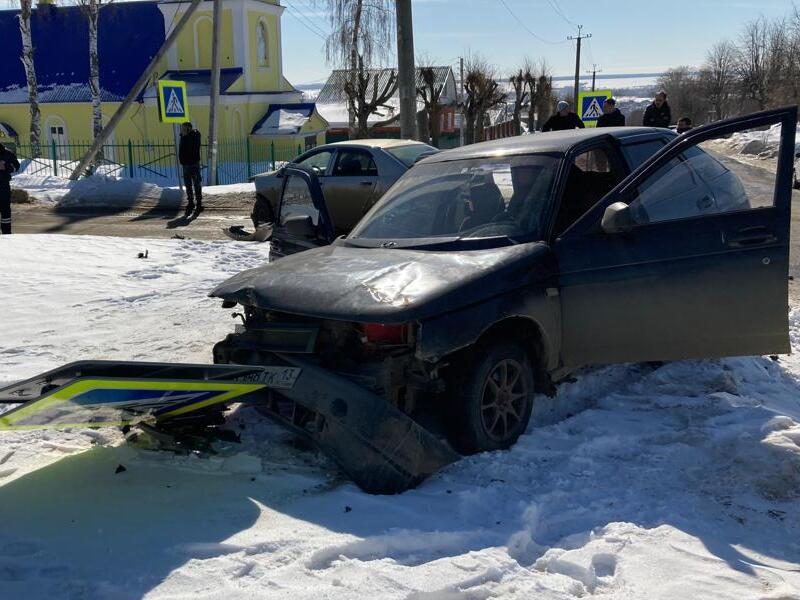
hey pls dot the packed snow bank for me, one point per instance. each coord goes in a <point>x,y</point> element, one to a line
<point>761,144</point>
<point>675,482</point>
<point>104,191</point>
<point>94,191</point>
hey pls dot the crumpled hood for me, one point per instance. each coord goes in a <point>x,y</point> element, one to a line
<point>382,285</point>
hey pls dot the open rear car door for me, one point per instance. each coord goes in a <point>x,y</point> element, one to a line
<point>688,257</point>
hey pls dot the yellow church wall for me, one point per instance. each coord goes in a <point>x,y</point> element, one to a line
<point>265,74</point>
<point>194,42</point>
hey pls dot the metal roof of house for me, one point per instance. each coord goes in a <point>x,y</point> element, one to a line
<point>130,35</point>
<point>333,90</point>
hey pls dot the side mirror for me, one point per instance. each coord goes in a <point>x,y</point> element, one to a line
<point>617,218</point>
<point>300,226</point>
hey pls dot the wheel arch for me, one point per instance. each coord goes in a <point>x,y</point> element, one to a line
<point>526,332</point>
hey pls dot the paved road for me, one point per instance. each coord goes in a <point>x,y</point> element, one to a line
<point>142,219</point>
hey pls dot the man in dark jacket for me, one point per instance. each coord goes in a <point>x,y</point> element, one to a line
<point>8,165</point>
<point>611,116</point>
<point>658,114</point>
<point>563,119</point>
<point>684,125</point>
<point>189,156</point>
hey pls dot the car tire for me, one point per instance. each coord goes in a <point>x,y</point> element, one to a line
<point>491,398</point>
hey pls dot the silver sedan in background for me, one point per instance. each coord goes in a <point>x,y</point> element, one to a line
<point>353,176</point>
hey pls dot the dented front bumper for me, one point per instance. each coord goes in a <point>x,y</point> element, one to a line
<point>379,447</point>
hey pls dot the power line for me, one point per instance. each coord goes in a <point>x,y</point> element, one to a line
<point>307,17</point>
<point>554,5</point>
<point>306,21</point>
<point>525,27</point>
<point>308,24</point>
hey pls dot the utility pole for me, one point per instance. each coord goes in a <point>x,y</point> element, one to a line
<point>578,37</point>
<point>137,88</point>
<point>406,73</point>
<point>461,100</point>
<point>594,71</point>
<point>212,114</point>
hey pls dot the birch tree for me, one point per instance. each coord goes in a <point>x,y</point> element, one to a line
<point>30,76</point>
<point>91,10</point>
<point>361,35</point>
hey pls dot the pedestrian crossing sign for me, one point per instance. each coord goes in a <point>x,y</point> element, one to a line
<point>591,105</point>
<point>173,105</point>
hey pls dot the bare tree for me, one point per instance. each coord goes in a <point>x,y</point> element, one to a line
<point>684,93</point>
<point>520,84</point>
<point>752,63</point>
<point>718,77</point>
<point>366,96</point>
<point>361,32</point>
<point>30,76</point>
<point>540,84</point>
<point>91,10</point>
<point>482,94</point>
<point>430,93</point>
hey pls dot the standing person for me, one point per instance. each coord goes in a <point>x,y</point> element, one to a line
<point>189,156</point>
<point>684,125</point>
<point>563,119</point>
<point>611,117</point>
<point>658,114</point>
<point>8,165</point>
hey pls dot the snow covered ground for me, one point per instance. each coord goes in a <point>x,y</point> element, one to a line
<point>103,189</point>
<point>675,482</point>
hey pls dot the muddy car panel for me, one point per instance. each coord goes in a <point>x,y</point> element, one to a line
<point>663,290</point>
<point>409,319</point>
<point>703,286</point>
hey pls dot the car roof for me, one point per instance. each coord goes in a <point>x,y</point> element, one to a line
<point>375,143</point>
<point>552,141</point>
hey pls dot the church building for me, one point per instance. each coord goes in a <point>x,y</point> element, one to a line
<point>255,97</point>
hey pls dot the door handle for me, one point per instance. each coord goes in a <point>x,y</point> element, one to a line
<point>752,239</point>
<point>365,183</point>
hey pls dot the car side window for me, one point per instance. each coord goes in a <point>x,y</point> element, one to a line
<point>590,177</point>
<point>297,200</point>
<point>318,161</point>
<point>637,153</point>
<point>698,182</point>
<point>354,163</point>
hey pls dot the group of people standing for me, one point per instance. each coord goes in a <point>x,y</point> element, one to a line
<point>657,114</point>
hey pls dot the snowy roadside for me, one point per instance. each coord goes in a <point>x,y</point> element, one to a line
<point>109,191</point>
<point>674,482</point>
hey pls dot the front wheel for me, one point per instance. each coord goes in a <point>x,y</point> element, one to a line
<point>491,398</point>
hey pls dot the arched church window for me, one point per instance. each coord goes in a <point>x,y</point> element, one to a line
<point>263,44</point>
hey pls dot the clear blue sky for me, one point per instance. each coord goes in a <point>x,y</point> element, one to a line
<point>628,36</point>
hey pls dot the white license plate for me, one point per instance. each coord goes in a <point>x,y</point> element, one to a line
<point>279,378</point>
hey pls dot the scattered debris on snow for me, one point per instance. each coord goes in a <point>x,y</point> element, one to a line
<point>678,481</point>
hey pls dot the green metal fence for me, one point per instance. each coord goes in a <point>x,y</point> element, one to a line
<point>238,160</point>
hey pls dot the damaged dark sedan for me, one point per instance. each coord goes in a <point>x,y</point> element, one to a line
<point>488,273</point>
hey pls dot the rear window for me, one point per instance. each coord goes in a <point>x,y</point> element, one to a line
<point>636,154</point>
<point>408,155</point>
